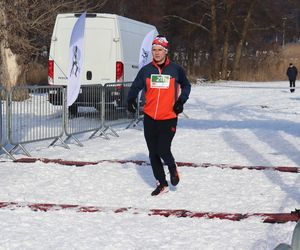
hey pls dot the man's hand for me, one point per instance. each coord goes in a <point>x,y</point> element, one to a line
<point>178,106</point>
<point>131,106</point>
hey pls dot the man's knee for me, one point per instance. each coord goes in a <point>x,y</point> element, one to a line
<point>167,157</point>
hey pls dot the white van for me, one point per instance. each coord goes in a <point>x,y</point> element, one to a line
<point>111,49</point>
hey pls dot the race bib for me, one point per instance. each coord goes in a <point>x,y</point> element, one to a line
<point>160,81</point>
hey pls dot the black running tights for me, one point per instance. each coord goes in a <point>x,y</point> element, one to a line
<point>159,135</point>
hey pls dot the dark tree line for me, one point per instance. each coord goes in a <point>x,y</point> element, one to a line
<point>209,37</point>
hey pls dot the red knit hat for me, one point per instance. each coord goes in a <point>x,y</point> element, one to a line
<point>161,41</point>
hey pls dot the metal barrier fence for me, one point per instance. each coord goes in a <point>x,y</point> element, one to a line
<point>35,113</point>
<point>114,107</point>
<point>32,117</point>
<point>85,114</point>
<point>4,122</point>
<point>140,110</point>
<point>98,108</point>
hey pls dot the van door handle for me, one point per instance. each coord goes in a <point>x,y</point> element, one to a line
<point>89,75</point>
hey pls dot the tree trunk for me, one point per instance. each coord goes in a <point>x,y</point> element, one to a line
<point>12,71</point>
<point>228,10</point>
<point>214,39</point>
<point>238,51</point>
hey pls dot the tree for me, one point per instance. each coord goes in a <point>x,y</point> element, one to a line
<point>214,40</point>
<point>26,28</point>
<point>180,18</point>
<point>242,37</point>
<point>228,7</point>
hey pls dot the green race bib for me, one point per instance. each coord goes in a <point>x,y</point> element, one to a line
<point>160,81</point>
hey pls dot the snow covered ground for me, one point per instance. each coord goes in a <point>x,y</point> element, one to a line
<point>232,122</point>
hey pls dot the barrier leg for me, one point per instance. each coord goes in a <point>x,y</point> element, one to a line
<point>8,153</point>
<point>296,237</point>
<point>59,138</point>
<point>75,139</point>
<point>283,246</point>
<point>22,147</point>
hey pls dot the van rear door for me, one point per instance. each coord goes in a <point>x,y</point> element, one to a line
<point>100,49</point>
<point>100,53</point>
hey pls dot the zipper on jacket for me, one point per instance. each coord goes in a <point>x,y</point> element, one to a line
<point>158,95</point>
<point>160,70</point>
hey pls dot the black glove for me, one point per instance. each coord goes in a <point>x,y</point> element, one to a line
<point>178,106</point>
<point>131,106</point>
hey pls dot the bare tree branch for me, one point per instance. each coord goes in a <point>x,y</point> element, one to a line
<point>199,25</point>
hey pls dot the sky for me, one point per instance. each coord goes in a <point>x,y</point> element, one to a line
<point>234,123</point>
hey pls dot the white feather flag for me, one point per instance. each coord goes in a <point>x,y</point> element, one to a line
<point>75,59</point>
<point>145,52</point>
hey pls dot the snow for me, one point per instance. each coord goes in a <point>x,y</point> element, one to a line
<point>251,124</point>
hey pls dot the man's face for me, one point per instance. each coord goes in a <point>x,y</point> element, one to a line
<point>159,54</point>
